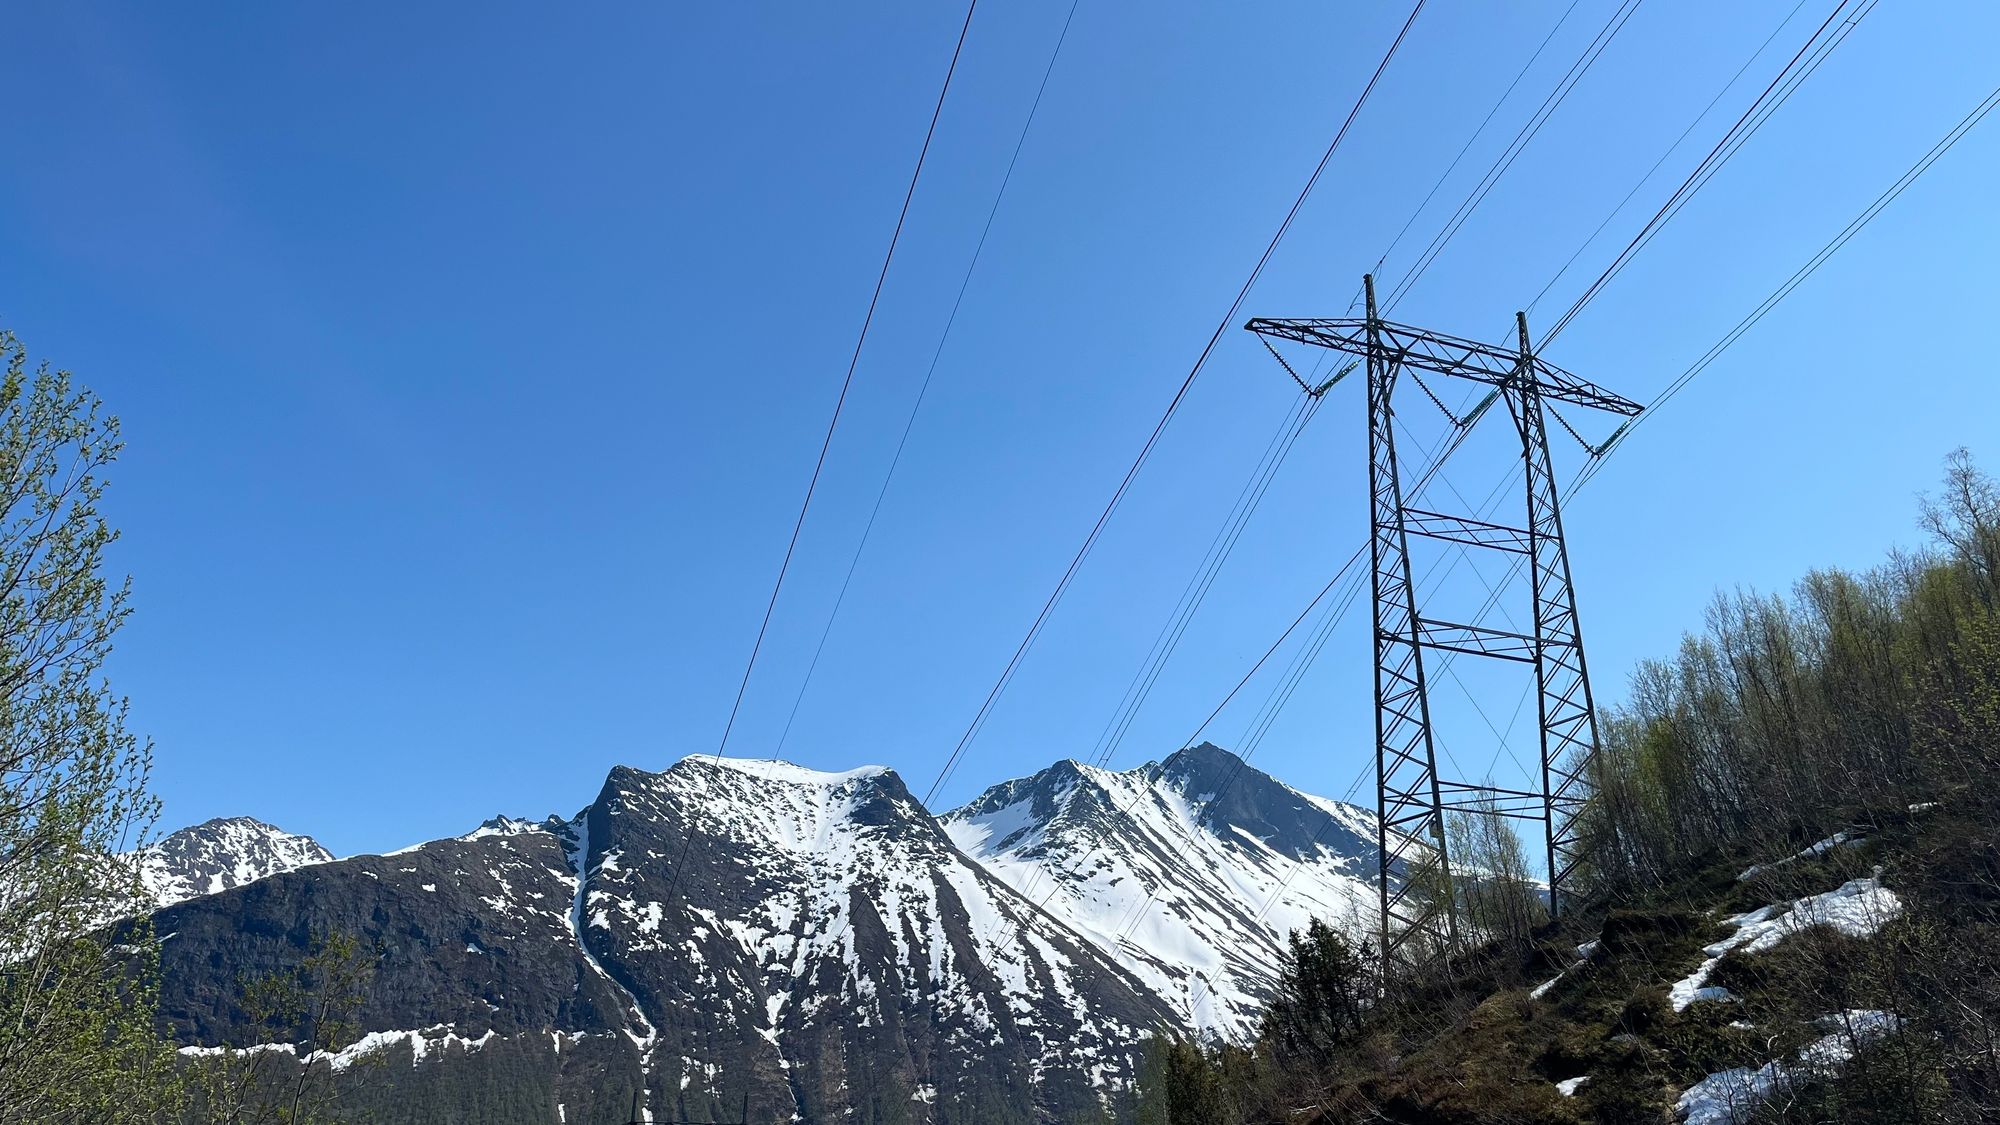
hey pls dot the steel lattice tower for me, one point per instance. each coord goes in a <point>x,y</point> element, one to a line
<point>1417,902</point>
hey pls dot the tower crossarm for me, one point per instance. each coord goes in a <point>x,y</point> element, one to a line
<point>1447,355</point>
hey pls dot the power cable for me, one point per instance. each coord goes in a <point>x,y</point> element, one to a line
<point>1467,146</point>
<point>1219,549</point>
<point>1318,634</point>
<point>923,389</point>
<point>833,423</point>
<point>1172,407</point>
<point>854,361</point>
<point>1671,148</point>
<point>1199,584</point>
<point>1812,265</point>
<point>1724,148</point>
<point>1098,756</point>
<point>1591,53</point>
<point>1152,439</point>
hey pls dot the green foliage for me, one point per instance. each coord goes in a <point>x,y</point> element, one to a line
<point>306,1015</point>
<point>77,1037</point>
<point>1497,898</point>
<point>1786,718</point>
<point>1185,1082</point>
<point>1323,995</point>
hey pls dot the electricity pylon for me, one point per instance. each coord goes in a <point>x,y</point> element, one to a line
<point>1418,921</point>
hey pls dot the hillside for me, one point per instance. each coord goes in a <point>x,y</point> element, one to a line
<point>1791,889</point>
<point>1843,978</point>
<point>1764,986</point>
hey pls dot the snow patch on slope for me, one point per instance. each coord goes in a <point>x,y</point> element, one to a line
<point>1811,851</point>
<point>1857,908</point>
<point>643,1039</point>
<point>1731,1097</point>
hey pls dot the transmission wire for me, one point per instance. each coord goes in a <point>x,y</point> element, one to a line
<point>1201,360</point>
<point>1743,128</point>
<point>923,389</point>
<point>833,423</point>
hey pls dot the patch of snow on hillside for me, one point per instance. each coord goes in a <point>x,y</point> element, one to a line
<point>1857,908</point>
<point>771,769</point>
<point>431,1040</point>
<point>1732,1097</point>
<point>437,1039</point>
<point>644,1039</point>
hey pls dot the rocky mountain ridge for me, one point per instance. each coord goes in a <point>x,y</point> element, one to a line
<point>730,936</point>
<point>1189,872</point>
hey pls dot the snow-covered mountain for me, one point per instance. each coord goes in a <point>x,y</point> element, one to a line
<point>1189,872</point>
<point>727,936</point>
<point>220,854</point>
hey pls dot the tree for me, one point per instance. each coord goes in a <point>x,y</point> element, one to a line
<point>1497,896</point>
<point>77,1037</point>
<point>1323,993</point>
<point>306,1015</point>
<point>1965,517</point>
<point>1183,1083</point>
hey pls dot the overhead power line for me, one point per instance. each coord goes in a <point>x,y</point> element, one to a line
<point>847,382</point>
<point>1795,71</point>
<point>1677,142</point>
<point>1868,214</point>
<point>1470,140</point>
<point>1528,131</point>
<point>1316,639</point>
<point>1173,405</point>
<point>923,390</point>
<point>1203,579</point>
<point>833,423</point>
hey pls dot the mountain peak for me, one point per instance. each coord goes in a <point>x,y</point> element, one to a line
<point>706,931</point>
<point>763,800</point>
<point>1203,762</point>
<point>1152,865</point>
<point>504,825</point>
<point>219,854</point>
<point>789,773</point>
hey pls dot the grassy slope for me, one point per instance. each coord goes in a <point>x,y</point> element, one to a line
<point>1484,1051</point>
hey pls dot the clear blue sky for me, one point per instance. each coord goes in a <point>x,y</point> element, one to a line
<point>472,363</point>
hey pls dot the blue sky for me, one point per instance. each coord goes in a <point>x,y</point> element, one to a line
<point>472,366</point>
